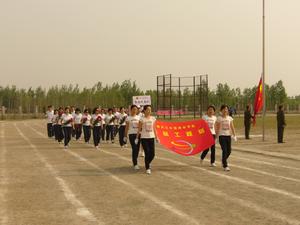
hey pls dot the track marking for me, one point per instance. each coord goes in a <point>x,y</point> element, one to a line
<point>257,161</point>
<point>187,218</point>
<point>81,209</point>
<point>3,179</point>
<point>197,185</point>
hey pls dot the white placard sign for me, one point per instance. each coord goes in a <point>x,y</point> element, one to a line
<point>141,100</point>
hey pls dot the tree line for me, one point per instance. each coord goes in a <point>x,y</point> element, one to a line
<point>120,94</point>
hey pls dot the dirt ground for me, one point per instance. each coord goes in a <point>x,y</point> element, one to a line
<point>41,184</point>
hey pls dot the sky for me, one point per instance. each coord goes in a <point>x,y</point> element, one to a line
<point>49,42</point>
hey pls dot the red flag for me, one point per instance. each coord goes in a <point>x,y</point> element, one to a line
<point>185,138</point>
<point>258,103</point>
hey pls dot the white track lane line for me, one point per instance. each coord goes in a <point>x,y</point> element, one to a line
<point>81,209</point>
<point>251,169</point>
<point>226,176</point>
<point>255,171</point>
<point>3,178</point>
<point>215,192</point>
<point>257,161</point>
<point>185,217</point>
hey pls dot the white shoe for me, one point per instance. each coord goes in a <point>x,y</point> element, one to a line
<point>143,154</point>
<point>136,167</point>
<point>213,165</point>
<point>97,147</point>
<point>227,169</point>
<point>125,146</point>
<point>201,162</point>
<point>66,147</point>
<point>148,171</point>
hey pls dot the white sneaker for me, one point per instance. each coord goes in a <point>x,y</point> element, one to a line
<point>97,147</point>
<point>125,146</point>
<point>143,154</point>
<point>227,169</point>
<point>148,171</point>
<point>213,165</point>
<point>66,147</point>
<point>201,162</point>
<point>136,167</point>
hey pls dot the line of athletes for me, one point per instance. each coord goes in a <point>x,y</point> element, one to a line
<point>138,128</point>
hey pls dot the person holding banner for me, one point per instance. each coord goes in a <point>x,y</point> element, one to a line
<point>132,126</point>
<point>224,130</point>
<point>211,119</point>
<point>148,136</point>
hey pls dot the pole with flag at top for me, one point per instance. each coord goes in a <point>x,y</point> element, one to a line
<point>263,71</point>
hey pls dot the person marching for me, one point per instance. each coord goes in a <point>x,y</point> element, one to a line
<point>109,121</point>
<point>67,124</point>
<point>224,130</point>
<point>132,126</point>
<point>73,113</point>
<point>247,122</point>
<point>49,115</point>
<point>103,125</point>
<point>211,119</point>
<point>59,129</point>
<point>122,122</point>
<point>97,126</point>
<point>78,123</point>
<point>116,121</point>
<point>280,124</point>
<point>86,125</point>
<point>54,124</point>
<point>148,136</point>
<point>140,113</point>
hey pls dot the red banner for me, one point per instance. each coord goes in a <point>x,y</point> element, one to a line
<point>185,138</point>
<point>258,103</point>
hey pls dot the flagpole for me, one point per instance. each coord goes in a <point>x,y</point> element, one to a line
<point>263,70</point>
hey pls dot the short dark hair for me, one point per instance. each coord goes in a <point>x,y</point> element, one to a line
<point>95,109</point>
<point>224,106</point>
<point>132,106</point>
<point>280,107</point>
<point>67,108</point>
<point>86,111</point>
<point>146,106</point>
<point>49,106</point>
<point>77,110</point>
<point>211,106</point>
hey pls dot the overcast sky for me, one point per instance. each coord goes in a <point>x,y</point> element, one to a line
<point>48,42</point>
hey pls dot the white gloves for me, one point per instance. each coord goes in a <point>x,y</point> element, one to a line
<point>136,141</point>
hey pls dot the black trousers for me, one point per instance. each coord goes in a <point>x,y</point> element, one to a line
<point>110,132</point>
<point>149,149</point>
<point>225,142</point>
<point>247,130</point>
<point>212,153</point>
<point>280,130</point>
<point>78,131</point>
<point>50,130</point>
<point>135,148</point>
<point>87,133</point>
<point>116,130</point>
<point>67,134</point>
<point>96,135</point>
<point>59,132</point>
<point>121,135</point>
<point>103,132</point>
